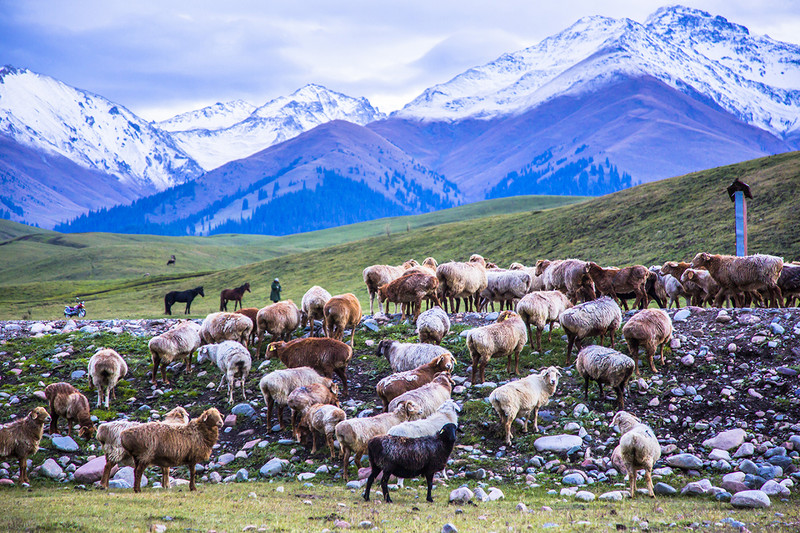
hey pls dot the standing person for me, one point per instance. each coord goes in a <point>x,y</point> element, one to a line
<point>275,295</point>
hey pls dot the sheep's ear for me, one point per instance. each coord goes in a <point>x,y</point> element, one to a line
<point>204,417</point>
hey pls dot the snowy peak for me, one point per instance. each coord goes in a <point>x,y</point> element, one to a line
<point>213,117</point>
<point>321,105</point>
<point>755,78</point>
<point>44,113</point>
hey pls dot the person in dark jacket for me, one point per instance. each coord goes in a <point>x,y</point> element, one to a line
<point>275,295</point>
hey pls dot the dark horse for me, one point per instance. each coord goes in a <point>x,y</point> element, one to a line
<point>181,296</point>
<point>232,294</point>
<point>171,260</point>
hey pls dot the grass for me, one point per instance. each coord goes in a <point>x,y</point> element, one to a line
<point>649,224</point>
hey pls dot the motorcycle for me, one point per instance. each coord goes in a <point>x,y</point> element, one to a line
<point>78,309</point>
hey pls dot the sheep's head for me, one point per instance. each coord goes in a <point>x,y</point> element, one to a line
<point>478,259</point>
<point>407,410</point>
<point>505,315</point>
<point>177,415</point>
<point>203,354</point>
<point>444,379</point>
<point>700,260</point>
<point>445,362</point>
<point>516,266</point>
<point>87,432</point>
<point>334,388</point>
<point>541,266</point>
<point>411,263</point>
<point>383,346</point>
<point>447,433</point>
<point>303,319</point>
<point>273,347</point>
<point>550,377</point>
<point>211,418</point>
<point>624,421</point>
<point>39,415</point>
<point>430,262</point>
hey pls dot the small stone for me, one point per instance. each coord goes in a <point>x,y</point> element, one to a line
<point>687,360</point>
<point>522,508</point>
<point>242,475</point>
<point>663,489</point>
<point>77,374</point>
<point>654,402</point>
<point>745,450</point>
<point>225,458</point>
<point>496,494</point>
<point>461,495</point>
<point>732,347</point>
<point>572,427</point>
<point>50,468</point>
<point>557,443</point>
<point>613,496</point>
<point>584,496</point>
<point>750,499</point>
<point>91,471</point>
<point>682,315</point>
<point>573,479</point>
<point>65,444</point>
<point>305,476</point>
<point>719,455</point>
<point>773,488</point>
<point>271,468</point>
<point>365,524</point>
<point>449,528</point>
<point>685,460</point>
<point>244,409</point>
<point>726,440</point>
<point>230,421</point>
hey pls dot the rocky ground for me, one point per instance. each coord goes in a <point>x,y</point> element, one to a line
<point>726,409</point>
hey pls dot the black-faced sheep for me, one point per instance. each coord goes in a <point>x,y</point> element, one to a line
<point>224,326</point>
<point>312,307</point>
<point>20,439</point>
<point>506,337</point>
<point>167,445</point>
<point>377,275</point>
<point>433,325</point>
<point>68,402</point>
<point>519,398</point>
<point>106,368</point>
<point>278,320</point>
<point>326,356</point>
<point>232,359</point>
<point>599,317</point>
<point>748,274</point>
<point>639,449</point>
<point>404,356</point>
<point>406,457</point>
<point>606,366</point>
<point>341,312</point>
<point>649,328</point>
<point>394,385</point>
<point>276,387</point>
<point>427,398</point>
<point>178,343</point>
<point>540,309</point>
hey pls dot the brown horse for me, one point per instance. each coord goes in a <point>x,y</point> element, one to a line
<point>232,294</point>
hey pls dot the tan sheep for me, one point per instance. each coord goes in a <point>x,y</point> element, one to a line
<point>20,439</point>
<point>68,402</point>
<point>599,317</point>
<point>304,397</point>
<point>462,281</point>
<point>377,275</point>
<point>106,368</point>
<point>166,445</point>
<point>433,325</point>
<point>506,337</point>
<point>649,328</point>
<point>178,343</point>
<point>394,385</point>
<point>427,398</point>
<point>638,448</point>
<point>312,306</point>
<point>323,418</point>
<point>519,398</point>
<point>748,274</point>
<point>224,326</point>
<point>276,387</point>
<point>279,320</point>
<point>341,312</point>
<point>605,366</point>
<point>540,309</point>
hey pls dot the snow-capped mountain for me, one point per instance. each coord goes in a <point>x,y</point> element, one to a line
<point>755,78</point>
<point>213,117</point>
<point>213,142</point>
<point>46,114</point>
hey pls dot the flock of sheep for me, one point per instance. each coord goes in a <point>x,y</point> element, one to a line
<point>414,434</point>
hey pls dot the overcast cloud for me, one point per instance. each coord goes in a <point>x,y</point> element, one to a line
<point>166,57</point>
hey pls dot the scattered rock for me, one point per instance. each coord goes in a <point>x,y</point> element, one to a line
<point>273,467</point>
<point>750,499</point>
<point>461,495</point>
<point>91,471</point>
<point>727,439</point>
<point>663,489</point>
<point>50,468</point>
<point>65,444</point>
<point>557,443</point>
<point>584,496</point>
<point>613,496</point>
<point>686,461</point>
<point>682,315</point>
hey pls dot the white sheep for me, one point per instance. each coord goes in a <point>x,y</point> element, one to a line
<point>276,387</point>
<point>605,366</point>
<point>404,356</point>
<point>179,342</point>
<point>446,414</point>
<point>433,325</point>
<point>599,317</point>
<point>106,368</point>
<point>232,359</point>
<point>311,307</point>
<point>639,448</point>
<point>506,337</point>
<point>427,398</point>
<point>505,287</point>
<point>519,398</point>
<point>540,309</point>
<point>223,326</point>
<point>462,280</point>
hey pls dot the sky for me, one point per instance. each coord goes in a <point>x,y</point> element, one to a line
<point>163,58</point>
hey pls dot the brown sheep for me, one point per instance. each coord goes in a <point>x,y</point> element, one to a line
<point>649,328</point>
<point>341,312</point>
<point>166,445</point>
<point>377,275</point>
<point>616,281</point>
<point>393,386</point>
<point>411,289</point>
<point>570,276</point>
<point>67,401</point>
<point>304,397</point>
<point>789,283</point>
<point>20,439</point>
<point>700,285</point>
<point>279,320</point>
<point>252,314</point>
<point>326,356</point>
<point>743,274</point>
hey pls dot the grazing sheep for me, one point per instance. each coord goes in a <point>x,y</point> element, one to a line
<point>20,439</point>
<point>67,401</point>
<point>303,397</point>
<point>519,398</point>
<point>743,274</point>
<point>353,434</point>
<point>106,368</point>
<point>232,359</point>
<point>393,386</point>
<point>600,317</point>
<point>446,414</point>
<point>108,434</point>
<point>410,289</point>
<point>649,328</point>
<point>462,280</point>
<point>505,287</point>
<point>405,458</point>
<point>433,325</point>
<point>540,309</point>
<point>279,320</point>
<point>606,366</point>
<point>322,418</point>
<point>377,275</point>
<point>616,281</point>
<point>341,312</point>
<point>252,314</point>
<point>224,326</point>
<point>404,356</point>
<point>276,387</point>
<point>427,398</point>
<point>179,342</point>
<point>506,337</point>
<point>570,276</point>
<point>789,283</point>
<point>326,356</point>
<point>167,445</point>
<point>312,307</point>
<point>639,449</point>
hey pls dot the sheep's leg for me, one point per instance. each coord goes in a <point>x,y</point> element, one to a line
<point>483,372</point>
<point>106,474</point>
<point>23,470</point>
<point>551,323</point>
<point>651,352</point>
<point>138,470</point>
<point>570,344</point>
<point>507,421</point>
<point>99,401</point>
<point>474,370</point>
<point>662,351</point>
<point>164,374</point>
<point>620,397</point>
<point>313,441</point>
<point>222,379</point>
<point>156,362</point>
<point>370,480</point>
<point>342,373</point>
<point>53,420</point>
<point>385,486</point>
<point>270,404</point>
<point>429,479</point>
<point>329,442</point>
<point>516,360</point>
<point>649,477</point>
<point>353,336</point>
<point>530,334</point>
<point>611,334</point>
<point>244,394</point>
<point>602,394</point>
<point>345,461</point>
<point>108,393</point>
<point>165,477</point>
<point>633,483</point>
<point>586,389</point>
<point>280,416</point>
<point>535,420</point>
<point>192,476</point>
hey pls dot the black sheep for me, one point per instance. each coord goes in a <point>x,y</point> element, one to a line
<point>406,457</point>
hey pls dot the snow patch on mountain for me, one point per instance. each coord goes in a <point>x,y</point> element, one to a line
<point>213,117</point>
